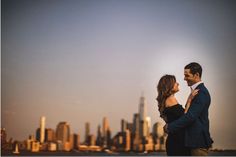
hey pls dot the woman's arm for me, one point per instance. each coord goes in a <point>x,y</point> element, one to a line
<point>190,98</point>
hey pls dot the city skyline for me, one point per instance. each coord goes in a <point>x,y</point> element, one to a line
<point>137,136</point>
<point>80,60</point>
<point>40,132</point>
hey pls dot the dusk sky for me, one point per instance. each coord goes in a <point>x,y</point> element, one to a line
<point>81,60</point>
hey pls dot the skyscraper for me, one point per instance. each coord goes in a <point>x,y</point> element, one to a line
<point>42,129</point>
<point>50,135</point>
<point>142,117</point>
<point>37,135</point>
<point>87,132</point>
<point>108,138</point>
<point>136,124</point>
<point>142,108</point>
<point>127,140</point>
<point>148,125</point>
<point>63,132</point>
<point>123,125</point>
<point>135,132</point>
<point>76,141</point>
<point>99,136</point>
<point>105,127</point>
<point>3,136</point>
<point>157,134</point>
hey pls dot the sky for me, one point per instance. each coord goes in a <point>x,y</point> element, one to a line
<point>81,60</point>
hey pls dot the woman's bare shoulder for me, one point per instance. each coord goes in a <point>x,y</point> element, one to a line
<point>171,101</point>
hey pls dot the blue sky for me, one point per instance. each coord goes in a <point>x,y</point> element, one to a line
<point>78,61</point>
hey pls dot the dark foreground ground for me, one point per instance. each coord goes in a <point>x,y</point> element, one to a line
<point>74,153</point>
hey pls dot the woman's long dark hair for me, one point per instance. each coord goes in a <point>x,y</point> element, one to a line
<point>164,89</point>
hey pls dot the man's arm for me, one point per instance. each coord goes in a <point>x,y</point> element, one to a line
<point>193,113</point>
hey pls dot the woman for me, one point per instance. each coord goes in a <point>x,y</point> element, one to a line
<point>170,110</point>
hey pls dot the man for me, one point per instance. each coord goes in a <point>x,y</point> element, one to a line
<point>195,121</point>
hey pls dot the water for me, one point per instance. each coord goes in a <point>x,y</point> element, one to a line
<point>26,153</point>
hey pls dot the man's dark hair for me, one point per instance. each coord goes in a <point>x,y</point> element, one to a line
<point>194,68</point>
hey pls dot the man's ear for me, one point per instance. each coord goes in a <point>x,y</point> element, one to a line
<point>197,75</point>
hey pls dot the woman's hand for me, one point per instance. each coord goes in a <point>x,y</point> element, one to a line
<point>190,98</point>
<point>192,95</point>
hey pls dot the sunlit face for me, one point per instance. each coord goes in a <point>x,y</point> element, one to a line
<point>189,77</point>
<point>176,87</point>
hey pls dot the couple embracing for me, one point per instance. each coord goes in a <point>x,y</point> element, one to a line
<point>187,128</point>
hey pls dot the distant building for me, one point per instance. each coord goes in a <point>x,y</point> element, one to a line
<point>105,126</point>
<point>63,134</point>
<point>35,146</point>
<point>130,127</point>
<point>163,142</point>
<point>135,132</point>
<point>148,145</point>
<point>42,129</point>
<point>123,125</point>
<point>109,139</point>
<point>71,141</point>
<point>67,146</point>
<point>3,136</point>
<point>121,141</point>
<point>37,135</point>
<point>43,146</point>
<point>91,140</point>
<point>157,136</point>
<point>148,126</point>
<point>76,138</point>
<point>99,139</point>
<point>142,108</point>
<point>157,130</point>
<point>16,148</point>
<point>50,135</point>
<point>87,133</point>
<point>52,146</point>
<point>29,142</point>
<point>118,142</point>
<point>60,146</point>
<point>143,129</point>
<point>127,140</point>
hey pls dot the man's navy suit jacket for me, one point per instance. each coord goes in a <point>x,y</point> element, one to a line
<point>195,121</point>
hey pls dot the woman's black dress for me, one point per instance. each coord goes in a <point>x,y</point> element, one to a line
<point>175,141</point>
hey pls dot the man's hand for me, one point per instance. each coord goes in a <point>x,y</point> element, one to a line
<point>165,128</point>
